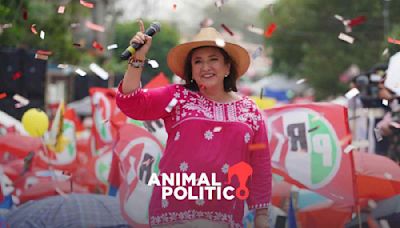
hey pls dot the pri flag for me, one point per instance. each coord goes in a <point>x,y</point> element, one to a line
<point>307,143</point>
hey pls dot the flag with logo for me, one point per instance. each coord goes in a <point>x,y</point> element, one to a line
<point>307,144</point>
<point>104,110</point>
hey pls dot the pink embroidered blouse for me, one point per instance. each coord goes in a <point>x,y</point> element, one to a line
<point>204,137</point>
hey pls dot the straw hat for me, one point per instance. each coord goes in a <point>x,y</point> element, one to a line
<point>207,37</point>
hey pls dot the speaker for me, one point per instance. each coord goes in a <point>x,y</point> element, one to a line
<point>10,65</point>
<point>34,76</point>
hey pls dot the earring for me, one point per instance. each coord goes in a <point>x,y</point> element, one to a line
<point>191,81</point>
<point>226,75</point>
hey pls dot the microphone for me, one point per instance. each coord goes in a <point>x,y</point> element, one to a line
<point>150,31</point>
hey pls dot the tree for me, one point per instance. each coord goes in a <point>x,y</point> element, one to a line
<point>306,42</point>
<point>162,43</point>
<point>58,35</point>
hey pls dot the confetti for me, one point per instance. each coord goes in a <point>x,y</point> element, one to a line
<point>42,34</point>
<point>112,46</point>
<point>227,29</point>
<point>95,27</point>
<point>255,30</point>
<point>357,21</point>
<point>349,148</point>
<point>80,72</point>
<point>385,52</point>
<point>271,29</point>
<point>300,81</point>
<point>346,38</point>
<point>3,95</point>
<point>313,129</point>
<point>256,53</point>
<point>25,14</point>
<point>220,42</point>
<point>378,134</point>
<point>393,41</point>
<point>217,129</point>
<point>153,63</point>
<point>61,9</point>
<point>16,75</point>
<point>258,146</point>
<point>77,44</point>
<point>41,57</point>
<point>62,66</point>
<point>33,29</point>
<point>22,101</point>
<point>207,22</point>
<point>75,25</point>
<point>86,4</point>
<point>98,71</point>
<point>352,93</point>
<point>340,18</point>
<point>385,102</point>
<point>171,105</point>
<point>388,176</point>
<point>97,45</point>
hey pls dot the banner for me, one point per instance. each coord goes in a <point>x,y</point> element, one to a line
<point>307,144</point>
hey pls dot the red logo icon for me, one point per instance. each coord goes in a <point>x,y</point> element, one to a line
<point>243,171</point>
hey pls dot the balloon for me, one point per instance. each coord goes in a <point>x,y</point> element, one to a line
<point>35,122</point>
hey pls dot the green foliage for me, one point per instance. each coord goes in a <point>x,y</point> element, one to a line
<point>162,43</point>
<point>58,34</point>
<point>306,42</point>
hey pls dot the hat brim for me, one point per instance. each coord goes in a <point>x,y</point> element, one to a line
<point>177,56</point>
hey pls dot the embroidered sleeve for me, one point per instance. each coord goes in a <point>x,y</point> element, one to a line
<point>146,104</point>
<point>260,184</point>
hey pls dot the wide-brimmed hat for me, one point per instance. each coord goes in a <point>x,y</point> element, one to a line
<point>207,37</point>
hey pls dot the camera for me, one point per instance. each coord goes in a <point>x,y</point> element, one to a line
<point>368,85</point>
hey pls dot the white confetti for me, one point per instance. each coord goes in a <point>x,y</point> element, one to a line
<point>62,66</point>
<point>346,38</point>
<point>41,57</point>
<point>153,63</point>
<point>99,71</point>
<point>340,18</point>
<point>220,42</point>
<point>42,34</point>
<point>256,53</point>
<point>217,129</point>
<point>171,105</point>
<point>22,101</point>
<point>80,72</point>
<point>61,9</point>
<point>348,149</point>
<point>352,93</point>
<point>255,30</point>
<point>112,46</point>
<point>385,102</point>
<point>388,176</point>
<point>300,81</point>
<point>385,52</point>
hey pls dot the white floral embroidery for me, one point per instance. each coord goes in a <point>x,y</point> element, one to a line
<point>183,166</point>
<point>185,92</point>
<point>247,137</point>
<point>177,136</point>
<point>177,94</point>
<point>225,168</point>
<point>208,135</point>
<point>200,202</point>
<point>164,203</point>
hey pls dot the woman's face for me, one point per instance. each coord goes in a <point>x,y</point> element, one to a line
<point>209,67</point>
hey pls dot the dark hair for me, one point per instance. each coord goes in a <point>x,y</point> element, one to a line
<point>229,81</point>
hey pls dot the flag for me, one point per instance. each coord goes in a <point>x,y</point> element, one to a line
<point>307,143</point>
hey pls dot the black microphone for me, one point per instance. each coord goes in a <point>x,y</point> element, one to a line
<point>150,31</point>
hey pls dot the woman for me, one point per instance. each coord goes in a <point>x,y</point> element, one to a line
<point>210,129</point>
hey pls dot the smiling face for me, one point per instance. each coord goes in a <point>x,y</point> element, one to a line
<point>209,67</point>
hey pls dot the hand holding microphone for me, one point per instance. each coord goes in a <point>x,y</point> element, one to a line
<point>141,42</point>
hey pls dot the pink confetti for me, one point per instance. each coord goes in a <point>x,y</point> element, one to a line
<point>3,95</point>
<point>87,4</point>
<point>33,29</point>
<point>43,52</point>
<point>61,9</point>
<point>393,41</point>
<point>98,46</point>
<point>95,27</point>
<point>271,29</point>
<point>357,21</point>
<point>17,75</point>
<point>227,29</point>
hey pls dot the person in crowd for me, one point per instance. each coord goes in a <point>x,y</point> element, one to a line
<point>210,129</point>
